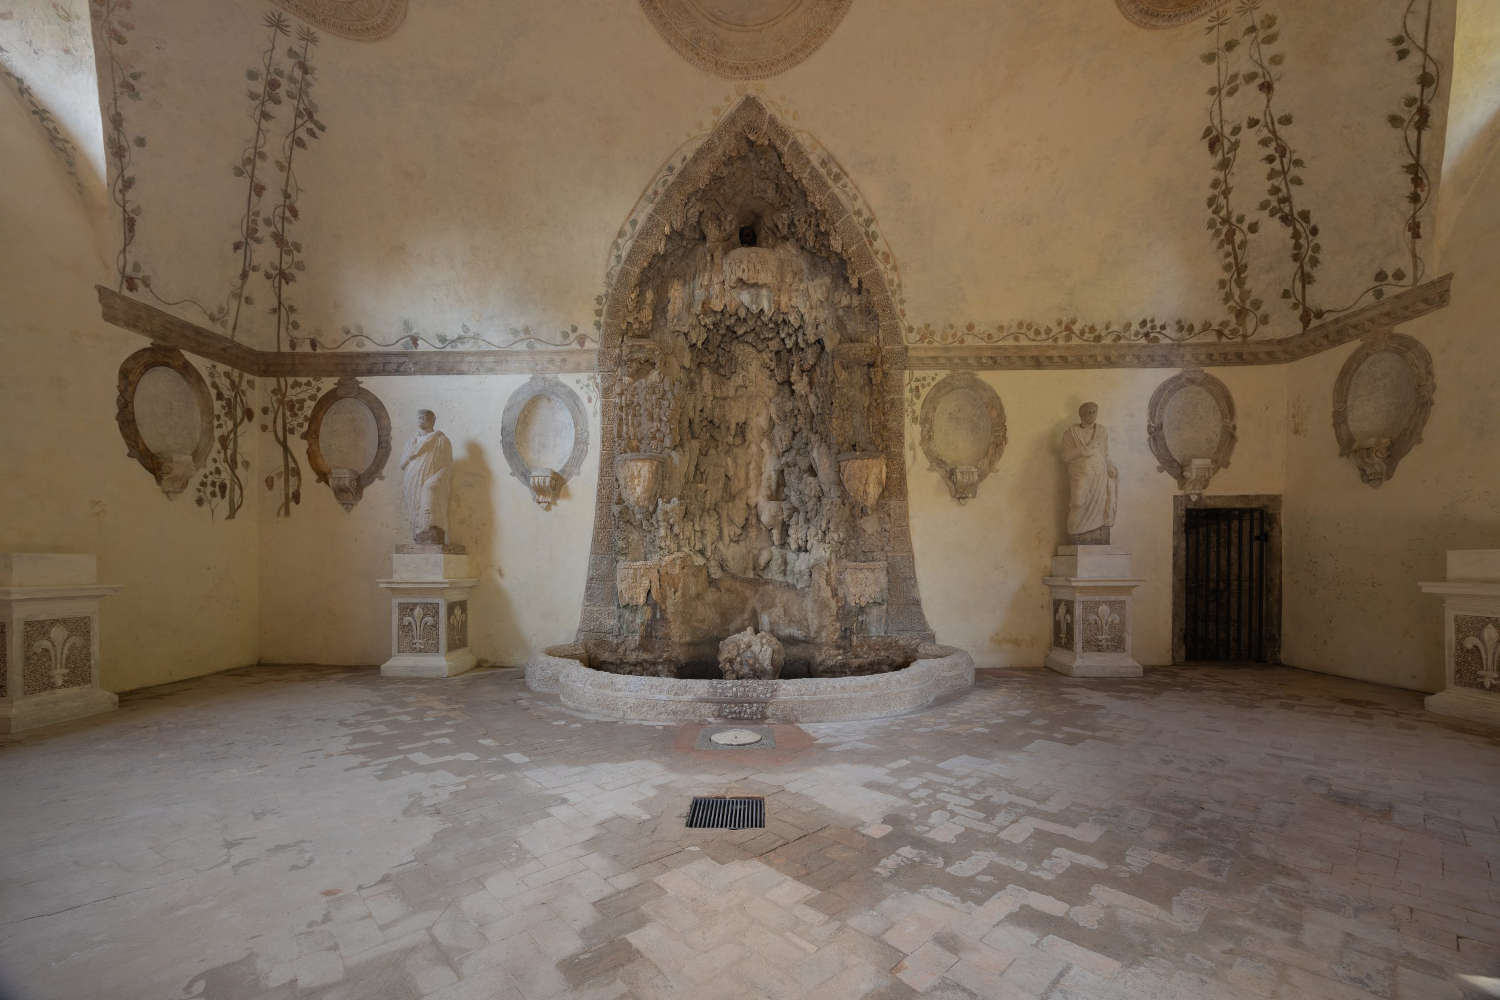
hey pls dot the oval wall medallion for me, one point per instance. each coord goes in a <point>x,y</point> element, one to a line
<point>348,440</point>
<point>361,20</point>
<point>1381,402</point>
<point>544,433</point>
<point>745,39</point>
<point>963,432</point>
<point>166,415</point>
<point>1191,429</point>
<point>1165,13</point>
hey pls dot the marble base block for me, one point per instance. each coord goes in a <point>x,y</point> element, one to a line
<point>1471,636</point>
<point>49,639</point>
<point>1092,612</point>
<point>429,592</point>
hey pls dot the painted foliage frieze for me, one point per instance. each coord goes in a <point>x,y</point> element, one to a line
<point>58,653</point>
<point>1476,651</point>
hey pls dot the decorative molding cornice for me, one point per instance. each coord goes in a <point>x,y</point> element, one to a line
<point>164,328</point>
<point>1402,307</point>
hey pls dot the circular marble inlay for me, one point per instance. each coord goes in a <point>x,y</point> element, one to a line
<point>735,738</point>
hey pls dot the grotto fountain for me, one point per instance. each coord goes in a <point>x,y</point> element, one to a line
<point>751,553</point>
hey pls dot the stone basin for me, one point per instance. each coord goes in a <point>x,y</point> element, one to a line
<point>930,672</point>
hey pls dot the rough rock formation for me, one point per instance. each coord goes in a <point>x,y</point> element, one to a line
<point>751,655</point>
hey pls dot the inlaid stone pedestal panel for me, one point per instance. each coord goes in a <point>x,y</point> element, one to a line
<point>1471,636</point>
<point>49,639</point>
<point>429,612</point>
<point>1092,612</point>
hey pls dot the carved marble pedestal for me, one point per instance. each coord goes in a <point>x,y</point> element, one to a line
<point>1091,612</point>
<point>1471,636</point>
<point>429,612</point>
<point>49,639</point>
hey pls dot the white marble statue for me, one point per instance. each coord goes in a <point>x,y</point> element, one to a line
<point>426,474</point>
<point>1092,479</point>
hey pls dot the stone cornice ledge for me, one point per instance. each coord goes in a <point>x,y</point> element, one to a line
<point>1401,307</point>
<point>162,327</point>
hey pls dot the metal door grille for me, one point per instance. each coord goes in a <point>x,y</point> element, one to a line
<point>721,813</point>
<point>1225,614</point>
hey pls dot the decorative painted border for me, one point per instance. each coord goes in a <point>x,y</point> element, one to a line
<point>1165,13</point>
<point>369,25</point>
<point>132,371</point>
<point>348,388</point>
<point>1378,465</point>
<point>970,384</point>
<point>138,317</point>
<point>686,28</point>
<point>1156,435</point>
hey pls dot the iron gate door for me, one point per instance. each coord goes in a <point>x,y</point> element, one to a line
<point>1225,616</point>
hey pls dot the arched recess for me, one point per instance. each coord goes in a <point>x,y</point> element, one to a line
<point>750,129</point>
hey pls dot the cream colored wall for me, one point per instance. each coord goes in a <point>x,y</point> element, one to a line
<point>1355,554</point>
<point>189,600</point>
<point>980,565</point>
<point>319,600</point>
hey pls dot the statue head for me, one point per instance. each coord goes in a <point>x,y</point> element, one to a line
<point>1088,413</point>
<point>426,420</point>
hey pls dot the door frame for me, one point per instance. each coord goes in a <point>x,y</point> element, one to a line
<point>1271,505</point>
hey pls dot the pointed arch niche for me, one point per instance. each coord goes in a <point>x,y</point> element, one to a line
<point>752,467</point>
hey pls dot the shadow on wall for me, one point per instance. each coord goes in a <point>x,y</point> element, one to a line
<point>473,525</point>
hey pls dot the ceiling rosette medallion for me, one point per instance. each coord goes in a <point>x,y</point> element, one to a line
<point>745,39</point>
<point>361,20</point>
<point>1165,13</point>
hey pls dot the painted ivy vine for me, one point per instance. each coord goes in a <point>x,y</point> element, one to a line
<point>1073,330</point>
<point>51,127</point>
<point>289,400</point>
<point>221,482</point>
<point>1283,166</point>
<point>1230,229</point>
<point>1413,121</point>
<point>110,19</point>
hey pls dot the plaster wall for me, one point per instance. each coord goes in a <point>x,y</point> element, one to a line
<point>189,600</point>
<point>1355,554</point>
<point>980,565</point>
<point>319,599</point>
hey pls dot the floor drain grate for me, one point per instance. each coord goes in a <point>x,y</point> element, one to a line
<point>721,813</point>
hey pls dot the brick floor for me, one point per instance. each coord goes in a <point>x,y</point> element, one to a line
<point>307,832</point>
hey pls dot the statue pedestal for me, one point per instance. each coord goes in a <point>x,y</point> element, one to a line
<point>1471,636</point>
<point>429,612</point>
<point>49,639</point>
<point>1091,612</point>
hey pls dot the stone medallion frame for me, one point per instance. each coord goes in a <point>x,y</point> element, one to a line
<point>1377,462</point>
<point>348,493</point>
<point>963,480</point>
<point>545,493</point>
<point>745,52</point>
<point>1191,479</point>
<point>132,371</point>
<point>1165,13</point>
<point>750,121</point>
<point>360,20</point>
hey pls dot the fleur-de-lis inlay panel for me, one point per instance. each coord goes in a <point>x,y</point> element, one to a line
<point>1476,652</point>
<point>1062,621</point>
<point>58,654</point>
<point>417,627</point>
<point>458,625</point>
<point>1103,626</point>
<point>4,660</point>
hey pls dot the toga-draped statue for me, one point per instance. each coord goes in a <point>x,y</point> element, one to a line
<point>1092,479</point>
<point>426,473</point>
